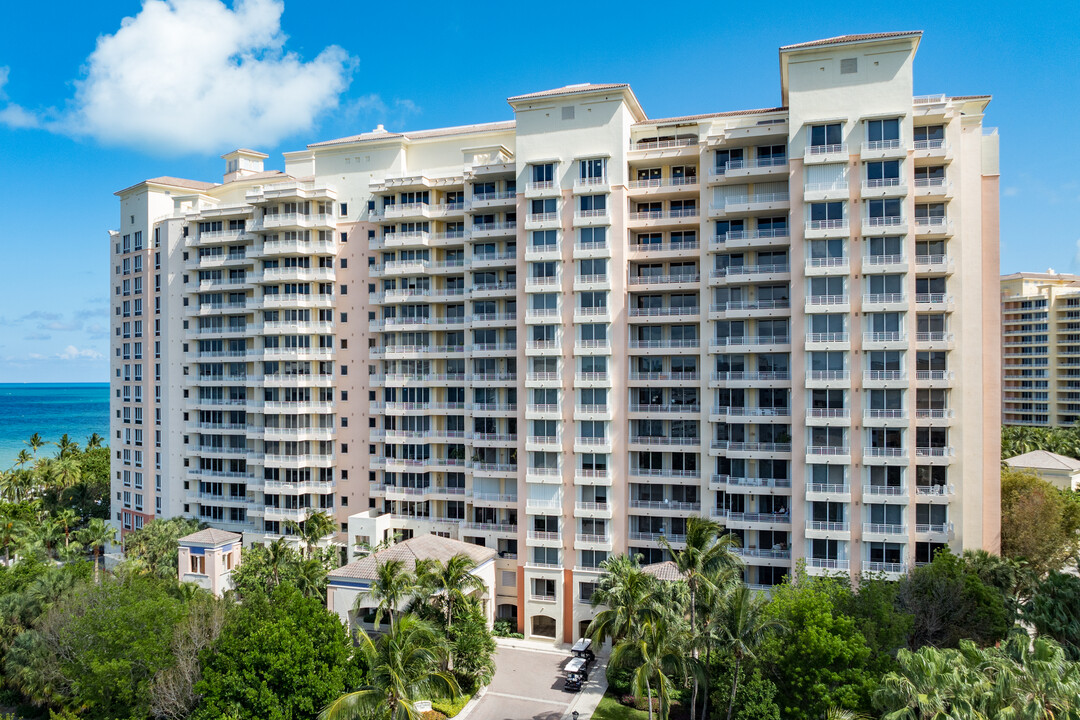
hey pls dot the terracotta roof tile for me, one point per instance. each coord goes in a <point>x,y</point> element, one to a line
<point>839,39</point>
<point>421,547</point>
<point>569,90</point>
<point>211,536</point>
<point>420,134</point>
<point>666,571</point>
<point>706,116</point>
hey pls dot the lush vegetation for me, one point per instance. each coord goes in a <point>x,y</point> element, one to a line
<point>1020,439</point>
<point>943,642</point>
<point>946,641</point>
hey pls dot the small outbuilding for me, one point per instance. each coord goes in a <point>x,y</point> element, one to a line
<point>350,583</point>
<point>208,558</point>
<point>1057,469</point>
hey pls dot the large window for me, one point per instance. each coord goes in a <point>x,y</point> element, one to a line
<point>883,133</point>
<point>825,138</point>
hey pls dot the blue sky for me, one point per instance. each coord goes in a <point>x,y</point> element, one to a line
<point>79,120</point>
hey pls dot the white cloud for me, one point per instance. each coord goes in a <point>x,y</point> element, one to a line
<point>197,76</point>
<point>73,353</point>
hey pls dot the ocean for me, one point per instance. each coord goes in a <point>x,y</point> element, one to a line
<point>78,409</point>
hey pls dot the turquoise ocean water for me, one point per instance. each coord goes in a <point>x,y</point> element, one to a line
<point>51,410</point>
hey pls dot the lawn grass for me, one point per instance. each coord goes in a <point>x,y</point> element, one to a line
<point>610,709</point>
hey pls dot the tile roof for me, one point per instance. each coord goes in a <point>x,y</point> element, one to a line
<point>840,39</point>
<point>211,536</point>
<point>706,116</point>
<point>666,570</point>
<point>420,134</point>
<point>569,90</point>
<point>421,547</point>
<point>1043,460</point>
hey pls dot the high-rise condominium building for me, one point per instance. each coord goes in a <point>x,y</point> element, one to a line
<point>561,336</point>
<point>1040,349</point>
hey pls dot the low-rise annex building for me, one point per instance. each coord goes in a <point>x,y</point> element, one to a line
<point>347,587</point>
<point>208,558</point>
<point>1062,471</point>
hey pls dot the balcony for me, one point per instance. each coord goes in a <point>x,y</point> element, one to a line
<point>818,229</point>
<point>832,153</point>
<point>872,528</point>
<point>740,169</point>
<point>932,227</point>
<point>823,566</point>
<point>887,225</point>
<point>835,303</point>
<point>877,149</point>
<point>759,202</point>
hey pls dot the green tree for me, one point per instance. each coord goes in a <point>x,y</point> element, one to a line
<point>313,529</point>
<point>659,662</point>
<point>821,660</point>
<point>756,695</point>
<point>35,442</point>
<point>1021,679</point>
<point>95,536</point>
<point>472,648</point>
<point>404,665</point>
<point>742,626</point>
<point>1054,611</point>
<point>1039,523</point>
<point>154,546</point>
<point>705,561</point>
<point>949,602</point>
<point>626,597</point>
<point>873,604</point>
<point>450,583</point>
<point>392,587</point>
<point>277,658</point>
<point>99,647</point>
<point>94,441</point>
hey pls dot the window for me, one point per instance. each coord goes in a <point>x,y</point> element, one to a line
<point>198,564</point>
<point>543,176</point>
<point>825,138</point>
<point>883,134</point>
<point>591,172</point>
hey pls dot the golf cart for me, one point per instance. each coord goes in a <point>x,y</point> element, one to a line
<point>576,674</point>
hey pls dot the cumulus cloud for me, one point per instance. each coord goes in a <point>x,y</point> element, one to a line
<point>73,353</point>
<point>196,76</point>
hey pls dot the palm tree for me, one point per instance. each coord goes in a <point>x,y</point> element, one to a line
<point>311,577</point>
<point>7,485</point>
<point>706,558</point>
<point>45,472</point>
<point>68,472</point>
<point>48,533</point>
<point>278,556</point>
<point>657,656</point>
<point>95,536</point>
<point>315,527</point>
<point>627,595</point>
<point>22,458</point>
<point>67,518</point>
<point>67,447</point>
<point>742,625</point>
<point>35,442</point>
<point>94,441</point>
<point>404,665</point>
<point>453,580</point>
<point>9,535</point>
<point>841,714</point>
<point>931,684</point>
<point>393,585</point>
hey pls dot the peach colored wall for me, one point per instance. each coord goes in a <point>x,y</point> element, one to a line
<point>991,521</point>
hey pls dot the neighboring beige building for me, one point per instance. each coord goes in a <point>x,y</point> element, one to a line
<point>1040,349</point>
<point>208,558</point>
<point>1057,469</point>
<point>562,335</point>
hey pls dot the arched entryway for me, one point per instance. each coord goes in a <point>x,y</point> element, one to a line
<point>543,626</point>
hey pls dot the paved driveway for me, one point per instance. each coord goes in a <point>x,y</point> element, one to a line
<point>528,685</point>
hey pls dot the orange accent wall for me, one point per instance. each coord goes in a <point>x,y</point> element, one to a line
<point>521,598</point>
<point>568,605</point>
